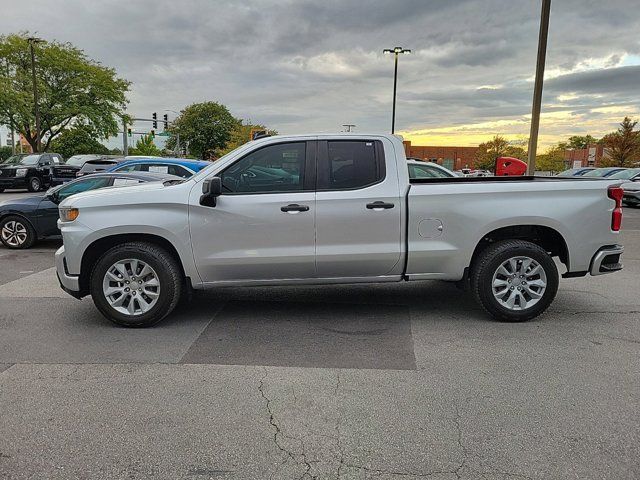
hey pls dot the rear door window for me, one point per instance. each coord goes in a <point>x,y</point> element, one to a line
<point>350,164</point>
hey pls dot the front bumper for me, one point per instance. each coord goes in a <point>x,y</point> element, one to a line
<point>13,182</point>
<point>69,283</point>
<point>607,260</point>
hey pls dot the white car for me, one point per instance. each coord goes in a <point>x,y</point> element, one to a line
<point>422,169</point>
<point>326,209</point>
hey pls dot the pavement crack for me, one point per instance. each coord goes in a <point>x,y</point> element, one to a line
<point>278,433</point>
<point>337,428</point>
<point>456,421</point>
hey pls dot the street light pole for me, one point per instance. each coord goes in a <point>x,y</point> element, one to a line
<point>537,89</point>
<point>396,51</point>
<point>32,41</point>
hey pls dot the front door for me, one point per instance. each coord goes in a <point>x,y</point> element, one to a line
<point>358,210</point>
<point>263,225</point>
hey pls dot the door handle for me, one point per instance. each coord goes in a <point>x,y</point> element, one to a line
<point>294,208</point>
<point>379,205</point>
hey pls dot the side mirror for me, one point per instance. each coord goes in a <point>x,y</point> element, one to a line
<point>211,189</point>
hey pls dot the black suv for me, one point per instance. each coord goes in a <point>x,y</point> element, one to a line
<point>33,171</point>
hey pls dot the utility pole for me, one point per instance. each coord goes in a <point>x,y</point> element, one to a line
<point>177,150</point>
<point>32,41</point>
<point>396,51</point>
<point>125,139</point>
<point>348,126</point>
<point>537,89</point>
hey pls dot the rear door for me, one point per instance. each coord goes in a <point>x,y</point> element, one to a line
<point>263,225</point>
<point>358,209</point>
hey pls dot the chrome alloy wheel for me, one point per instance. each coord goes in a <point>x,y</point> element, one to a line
<point>519,283</point>
<point>131,287</point>
<point>14,233</point>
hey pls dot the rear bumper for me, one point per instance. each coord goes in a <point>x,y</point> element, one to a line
<point>607,260</point>
<point>69,283</point>
<point>60,180</point>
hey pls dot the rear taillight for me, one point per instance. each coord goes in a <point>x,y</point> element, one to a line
<point>616,193</point>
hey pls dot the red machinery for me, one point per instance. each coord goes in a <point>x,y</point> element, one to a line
<point>510,167</point>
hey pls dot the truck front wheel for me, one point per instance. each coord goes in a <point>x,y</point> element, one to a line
<point>514,280</point>
<point>136,284</point>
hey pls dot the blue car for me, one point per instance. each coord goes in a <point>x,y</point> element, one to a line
<point>181,167</point>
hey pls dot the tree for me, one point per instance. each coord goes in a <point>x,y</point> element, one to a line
<point>77,140</point>
<point>204,127</point>
<point>498,146</point>
<point>145,146</point>
<point>241,134</point>
<point>71,88</point>
<point>552,160</point>
<point>579,142</point>
<point>622,146</point>
<point>5,152</point>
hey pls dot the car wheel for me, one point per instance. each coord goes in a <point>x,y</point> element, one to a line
<point>1,190</point>
<point>16,232</point>
<point>136,284</point>
<point>514,280</point>
<point>34,184</point>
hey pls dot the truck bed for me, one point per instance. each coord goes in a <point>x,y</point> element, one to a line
<point>526,178</point>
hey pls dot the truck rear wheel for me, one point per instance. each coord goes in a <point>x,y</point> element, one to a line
<point>136,284</point>
<point>514,280</point>
<point>34,184</point>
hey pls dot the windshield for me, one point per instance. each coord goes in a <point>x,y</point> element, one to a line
<point>79,160</point>
<point>22,160</point>
<point>626,174</point>
<point>600,172</point>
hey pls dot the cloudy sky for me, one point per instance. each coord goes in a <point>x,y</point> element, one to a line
<point>300,66</point>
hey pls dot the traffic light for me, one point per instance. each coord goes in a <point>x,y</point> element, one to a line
<point>152,133</point>
<point>129,131</point>
<point>155,120</point>
<point>166,121</point>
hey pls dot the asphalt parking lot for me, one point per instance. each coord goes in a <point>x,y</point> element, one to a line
<point>354,382</point>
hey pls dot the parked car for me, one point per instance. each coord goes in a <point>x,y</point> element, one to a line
<point>69,170</point>
<point>575,172</point>
<point>33,171</point>
<point>629,174</point>
<point>603,172</point>
<point>335,209</point>
<point>25,220</point>
<point>631,194</point>
<point>99,165</point>
<point>421,169</point>
<point>180,167</point>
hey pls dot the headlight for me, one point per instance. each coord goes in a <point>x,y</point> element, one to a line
<point>69,214</point>
<point>21,172</point>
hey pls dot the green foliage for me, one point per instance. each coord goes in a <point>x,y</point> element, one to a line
<point>623,146</point>
<point>498,146</point>
<point>72,88</point>
<point>241,134</point>
<point>77,140</point>
<point>145,146</point>
<point>578,142</point>
<point>552,160</point>
<point>5,152</point>
<point>205,128</point>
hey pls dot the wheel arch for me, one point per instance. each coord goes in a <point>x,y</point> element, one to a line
<point>544,236</point>
<point>97,248</point>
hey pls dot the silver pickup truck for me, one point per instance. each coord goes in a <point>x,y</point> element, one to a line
<point>322,209</point>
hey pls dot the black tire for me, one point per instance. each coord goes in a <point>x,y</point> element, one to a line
<point>169,276</point>
<point>6,225</point>
<point>34,184</point>
<point>488,262</point>
<point>1,190</point>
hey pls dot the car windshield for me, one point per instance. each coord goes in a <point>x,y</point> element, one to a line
<point>79,160</point>
<point>626,174</point>
<point>571,171</point>
<point>22,160</point>
<point>600,172</point>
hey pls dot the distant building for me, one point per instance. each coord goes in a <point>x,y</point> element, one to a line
<point>585,157</point>
<point>453,158</point>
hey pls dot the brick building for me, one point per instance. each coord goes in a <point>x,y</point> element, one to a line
<point>453,158</point>
<point>584,157</point>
